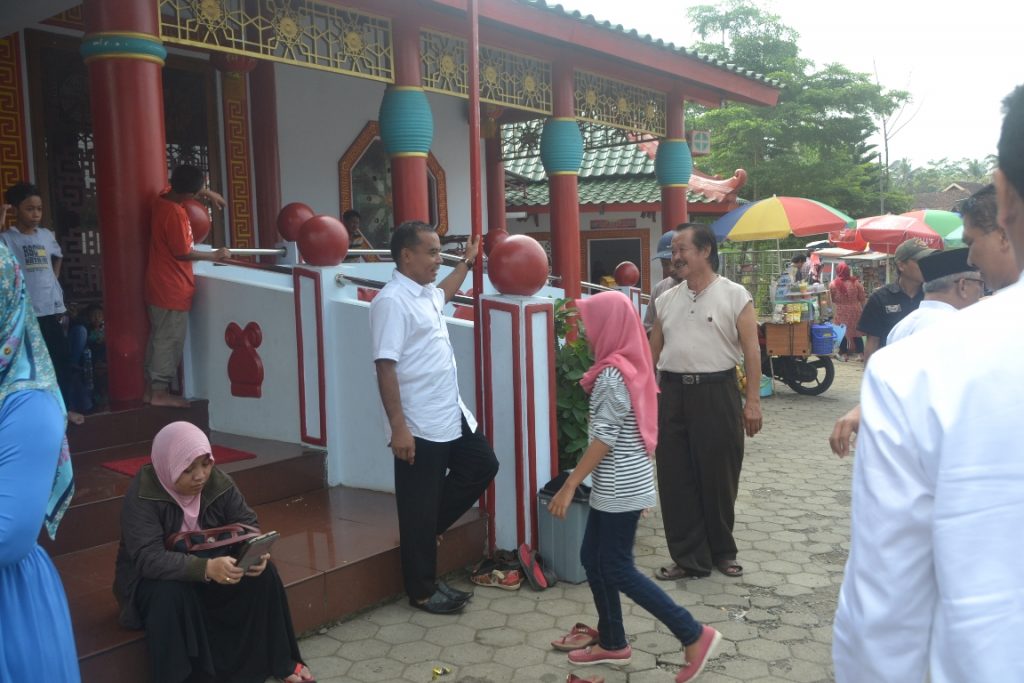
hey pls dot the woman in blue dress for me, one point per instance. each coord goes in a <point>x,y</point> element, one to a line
<point>36,641</point>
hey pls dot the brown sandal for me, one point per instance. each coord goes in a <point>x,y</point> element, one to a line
<point>579,637</point>
<point>675,572</point>
<point>573,678</point>
<point>730,568</point>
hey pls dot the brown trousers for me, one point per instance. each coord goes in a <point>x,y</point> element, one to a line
<point>699,456</point>
<point>166,345</point>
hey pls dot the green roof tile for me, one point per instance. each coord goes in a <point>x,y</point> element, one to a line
<point>609,161</point>
<point>608,190</point>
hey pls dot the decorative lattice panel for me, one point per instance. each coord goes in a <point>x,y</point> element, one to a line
<point>506,78</point>
<point>621,105</point>
<point>311,34</point>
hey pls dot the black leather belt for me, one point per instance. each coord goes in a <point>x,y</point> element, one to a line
<point>700,377</point>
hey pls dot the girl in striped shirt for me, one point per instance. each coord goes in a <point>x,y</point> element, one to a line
<point>623,432</point>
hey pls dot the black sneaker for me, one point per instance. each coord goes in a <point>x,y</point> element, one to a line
<point>438,603</point>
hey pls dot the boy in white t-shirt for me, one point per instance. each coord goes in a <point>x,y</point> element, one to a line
<point>40,257</point>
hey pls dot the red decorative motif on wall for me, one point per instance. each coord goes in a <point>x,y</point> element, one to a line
<point>245,367</point>
<point>13,152</point>
<point>236,145</point>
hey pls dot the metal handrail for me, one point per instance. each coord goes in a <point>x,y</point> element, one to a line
<point>340,280</point>
<point>387,252</point>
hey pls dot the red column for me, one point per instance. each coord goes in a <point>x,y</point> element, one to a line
<point>265,155</point>
<point>564,193</point>
<point>673,199</point>
<point>495,182</point>
<point>408,171</point>
<point>131,169</point>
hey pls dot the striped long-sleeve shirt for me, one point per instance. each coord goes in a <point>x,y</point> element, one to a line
<point>624,479</point>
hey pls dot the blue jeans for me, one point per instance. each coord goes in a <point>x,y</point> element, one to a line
<point>607,557</point>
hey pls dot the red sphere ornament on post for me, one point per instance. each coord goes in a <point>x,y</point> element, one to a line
<point>627,274</point>
<point>198,218</point>
<point>518,265</point>
<point>290,219</point>
<point>493,238</point>
<point>323,241</point>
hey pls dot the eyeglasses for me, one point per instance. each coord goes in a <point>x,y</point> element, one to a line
<point>974,278</point>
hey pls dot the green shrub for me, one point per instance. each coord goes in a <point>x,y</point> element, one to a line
<point>572,359</point>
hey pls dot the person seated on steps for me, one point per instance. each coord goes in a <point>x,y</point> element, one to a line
<point>205,618</point>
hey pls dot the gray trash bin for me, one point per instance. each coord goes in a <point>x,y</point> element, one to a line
<point>559,540</point>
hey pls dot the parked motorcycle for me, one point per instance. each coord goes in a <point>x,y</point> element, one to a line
<point>810,375</point>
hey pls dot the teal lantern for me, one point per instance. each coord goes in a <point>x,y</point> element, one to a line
<point>561,146</point>
<point>406,122</point>
<point>673,164</point>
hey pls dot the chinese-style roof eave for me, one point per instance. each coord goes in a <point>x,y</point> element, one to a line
<point>698,77</point>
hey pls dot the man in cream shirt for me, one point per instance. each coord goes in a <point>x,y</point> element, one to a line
<point>933,587</point>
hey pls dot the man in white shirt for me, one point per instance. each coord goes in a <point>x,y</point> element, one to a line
<point>950,284</point>
<point>933,588</point>
<point>442,464</point>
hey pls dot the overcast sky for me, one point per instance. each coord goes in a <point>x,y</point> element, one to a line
<point>958,60</point>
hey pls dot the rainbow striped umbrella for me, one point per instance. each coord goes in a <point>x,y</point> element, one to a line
<point>942,222</point>
<point>778,217</point>
<point>954,239</point>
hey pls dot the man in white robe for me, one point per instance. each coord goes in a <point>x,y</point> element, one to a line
<point>950,285</point>
<point>934,587</point>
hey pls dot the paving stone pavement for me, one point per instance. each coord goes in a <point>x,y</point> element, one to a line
<point>792,528</point>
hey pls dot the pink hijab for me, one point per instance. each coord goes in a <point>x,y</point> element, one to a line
<point>174,449</point>
<point>617,337</point>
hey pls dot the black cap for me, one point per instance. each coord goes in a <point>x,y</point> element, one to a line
<point>943,263</point>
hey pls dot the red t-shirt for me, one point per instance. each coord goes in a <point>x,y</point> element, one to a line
<point>169,281</point>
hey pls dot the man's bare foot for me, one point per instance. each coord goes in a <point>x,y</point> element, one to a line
<point>162,398</point>
<point>75,418</point>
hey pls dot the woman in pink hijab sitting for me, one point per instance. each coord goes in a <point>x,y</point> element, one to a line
<point>205,619</point>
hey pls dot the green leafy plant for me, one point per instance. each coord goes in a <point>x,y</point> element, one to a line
<point>572,359</point>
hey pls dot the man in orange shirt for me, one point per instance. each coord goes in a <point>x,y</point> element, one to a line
<point>170,283</point>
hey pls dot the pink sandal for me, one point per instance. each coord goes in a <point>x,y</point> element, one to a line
<point>579,637</point>
<point>296,676</point>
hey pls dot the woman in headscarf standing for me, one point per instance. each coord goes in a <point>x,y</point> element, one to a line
<point>202,617</point>
<point>623,433</point>
<point>848,297</point>
<point>36,640</point>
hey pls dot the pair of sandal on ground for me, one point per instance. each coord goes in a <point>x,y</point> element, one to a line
<point>582,644</point>
<point>674,572</point>
<point>508,569</point>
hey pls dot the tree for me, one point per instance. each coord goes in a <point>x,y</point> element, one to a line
<point>937,174</point>
<point>814,143</point>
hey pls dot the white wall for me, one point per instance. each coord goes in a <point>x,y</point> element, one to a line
<point>319,115</point>
<point>226,294</point>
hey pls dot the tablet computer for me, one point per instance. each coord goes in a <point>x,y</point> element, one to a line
<point>250,551</point>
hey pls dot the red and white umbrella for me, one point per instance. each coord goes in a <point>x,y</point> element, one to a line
<point>885,233</point>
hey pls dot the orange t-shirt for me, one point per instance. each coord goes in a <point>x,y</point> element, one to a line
<point>169,281</point>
